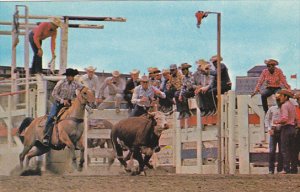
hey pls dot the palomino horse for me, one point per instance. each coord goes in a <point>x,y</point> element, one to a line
<point>67,131</point>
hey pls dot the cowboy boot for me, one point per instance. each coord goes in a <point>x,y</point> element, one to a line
<point>48,131</point>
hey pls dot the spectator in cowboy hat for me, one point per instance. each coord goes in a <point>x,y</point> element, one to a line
<point>225,79</point>
<point>273,78</point>
<point>37,35</point>
<point>115,86</point>
<point>203,81</point>
<point>90,80</point>
<point>186,92</point>
<point>287,122</point>
<point>63,93</point>
<point>166,104</point>
<point>130,85</point>
<point>144,96</point>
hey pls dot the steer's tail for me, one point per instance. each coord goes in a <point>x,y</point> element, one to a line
<point>25,123</point>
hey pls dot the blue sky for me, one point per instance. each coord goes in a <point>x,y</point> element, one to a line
<point>159,33</point>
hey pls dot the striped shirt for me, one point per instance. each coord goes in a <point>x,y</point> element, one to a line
<point>272,80</point>
<point>41,32</point>
<point>65,90</point>
<point>140,92</point>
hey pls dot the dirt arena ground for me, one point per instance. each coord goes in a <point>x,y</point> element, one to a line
<point>155,181</point>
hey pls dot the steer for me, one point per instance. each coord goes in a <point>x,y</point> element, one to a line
<point>138,134</point>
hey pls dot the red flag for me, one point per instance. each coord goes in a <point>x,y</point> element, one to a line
<point>294,76</point>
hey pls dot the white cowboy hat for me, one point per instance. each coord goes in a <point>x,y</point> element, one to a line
<point>135,71</point>
<point>56,21</point>
<point>90,68</point>
<point>115,73</point>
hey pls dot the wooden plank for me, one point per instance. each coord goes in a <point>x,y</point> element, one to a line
<point>99,133</point>
<point>244,167</point>
<point>100,152</point>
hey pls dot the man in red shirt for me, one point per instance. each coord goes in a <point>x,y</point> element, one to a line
<point>39,33</point>
<point>273,78</point>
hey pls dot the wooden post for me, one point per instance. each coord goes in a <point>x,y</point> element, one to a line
<point>231,132</point>
<point>244,161</point>
<point>64,46</point>
<point>219,92</point>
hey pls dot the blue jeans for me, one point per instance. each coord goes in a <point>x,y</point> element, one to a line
<point>37,60</point>
<point>274,140</point>
<point>56,107</point>
<point>267,93</point>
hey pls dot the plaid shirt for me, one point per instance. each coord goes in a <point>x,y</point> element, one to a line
<point>65,90</point>
<point>176,81</point>
<point>187,83</point>
<point>272,80</point>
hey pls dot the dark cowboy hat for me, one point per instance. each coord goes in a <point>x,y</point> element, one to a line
<point>71,72</point>
<point>271,62</point>
<point>185,66</point>
<point>286,92</point>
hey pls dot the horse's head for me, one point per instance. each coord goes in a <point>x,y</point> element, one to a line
<point>86,96</point>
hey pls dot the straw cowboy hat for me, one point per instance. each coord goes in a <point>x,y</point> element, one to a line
<point>185,66</point>
<point>90,68</point>
<point>297,96</point>
<point>204,65</point>
<point>215,58</point>
<point>286,92</point>
<point>115,73</point>
<point>71,72</point>
<point>56,21</point>
<point>135,71</point>
<point>271,62</point>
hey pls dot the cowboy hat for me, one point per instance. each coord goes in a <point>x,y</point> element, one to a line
<point>152,70</point>
<point>297,96</point>
<point>90,68</point>
<point>286,92</point>
<point>204,65</point>
<point>215,58</point>
<point>185,66</point>
<point>173,66</point>
<point>56,21</point>
<point>271,62</point>
<point>134,71</point>
<point>71,72</point>
<point>144,78</point>
<point>115,73</point>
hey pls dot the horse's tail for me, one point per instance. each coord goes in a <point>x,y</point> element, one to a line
<point>25,123</point>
